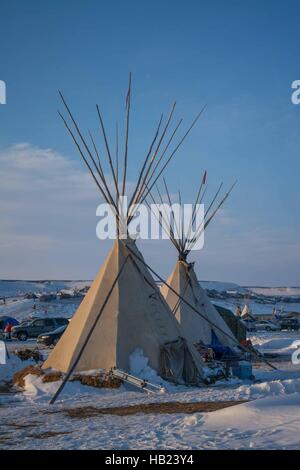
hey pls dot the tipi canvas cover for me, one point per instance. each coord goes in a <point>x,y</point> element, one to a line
<point>124,309</point>
<point>195,328</point>
<point>135,316</point>
<point>198,318</point>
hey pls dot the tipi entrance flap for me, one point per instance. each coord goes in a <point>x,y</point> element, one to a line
<point>177,363</point>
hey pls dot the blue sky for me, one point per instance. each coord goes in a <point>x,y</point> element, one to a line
<point>238,57</point>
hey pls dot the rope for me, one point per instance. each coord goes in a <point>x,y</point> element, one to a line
<point>199,313</point>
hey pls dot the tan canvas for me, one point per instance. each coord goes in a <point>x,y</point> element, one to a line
<point>136,316</point>
<point>195,328</point>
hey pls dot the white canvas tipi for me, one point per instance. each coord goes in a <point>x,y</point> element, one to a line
<point>206,326</point>
<point>135,317</point>
<point>124,309</point>
<point>195,327</point>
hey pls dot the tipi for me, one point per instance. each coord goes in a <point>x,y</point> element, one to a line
<point>124,309</point>
<point>206,326</point>
<point>247,312</point>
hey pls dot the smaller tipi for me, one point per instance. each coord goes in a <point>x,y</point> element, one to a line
<point>207,326</point>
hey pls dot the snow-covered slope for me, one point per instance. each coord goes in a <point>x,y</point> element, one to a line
<point>269,423</point>
<point>223,286</point>
<point>18,288</point>
<point>276,291</point>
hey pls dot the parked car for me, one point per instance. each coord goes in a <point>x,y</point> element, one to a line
<point>37,327</point>
<point>289,324</point>
<point>47,297</point>
<point>266,325</point>
<point>250,325</point>
<point>51,338</point>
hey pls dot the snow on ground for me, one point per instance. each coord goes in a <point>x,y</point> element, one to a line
<point>19,288</point>
<point>22,309</point>
<point>223,286</point>
<point>269,423</point>
<point>271,420</point>
<point>258,308</point>
<point>13,365</point>
<point>18,309</point>
<point>276,291</point>
<point>280,343</point>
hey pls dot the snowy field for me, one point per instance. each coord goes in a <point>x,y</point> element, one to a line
<point>258,308</point>
<point>21,308</point>
<point>269,418</point>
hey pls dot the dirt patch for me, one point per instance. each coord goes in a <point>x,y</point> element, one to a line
<point>151,408</point>
<point>47,434</point>
<point>32,424</point>
<point>103,380</point>
<point>19,377</point>
<point>4,439</point>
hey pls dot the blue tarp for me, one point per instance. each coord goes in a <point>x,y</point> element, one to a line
<point>220,350</point>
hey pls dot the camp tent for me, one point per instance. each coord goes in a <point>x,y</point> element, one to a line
<point>247,313</point>
<point>124,309</point>
<point>201,323</point>
<point>135,317</point>
<point>207,328</point>
<point>237,327</point>
<point>5,320</point>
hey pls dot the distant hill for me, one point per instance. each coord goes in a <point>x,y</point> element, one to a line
<point>276,291</point>
<point>224,286</point>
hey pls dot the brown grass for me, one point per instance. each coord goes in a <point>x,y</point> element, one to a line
<point>47,434</point>
<point>52,377</point>
<point>148,408</point>
<point>6,439</point>
<point>104,380</point>
<point>32,424</point>
<point>19,377</point>
<point>98,381</point>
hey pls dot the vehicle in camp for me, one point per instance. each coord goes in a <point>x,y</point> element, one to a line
<point>52,337</point>
<point>31,295</point>
<point>249,324</point>
<point>266,325</point>
<point>289,324</point>
<point>37,327</point>
<point>65,294</point>
<point>47,297</point>
<point>69,294</point>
